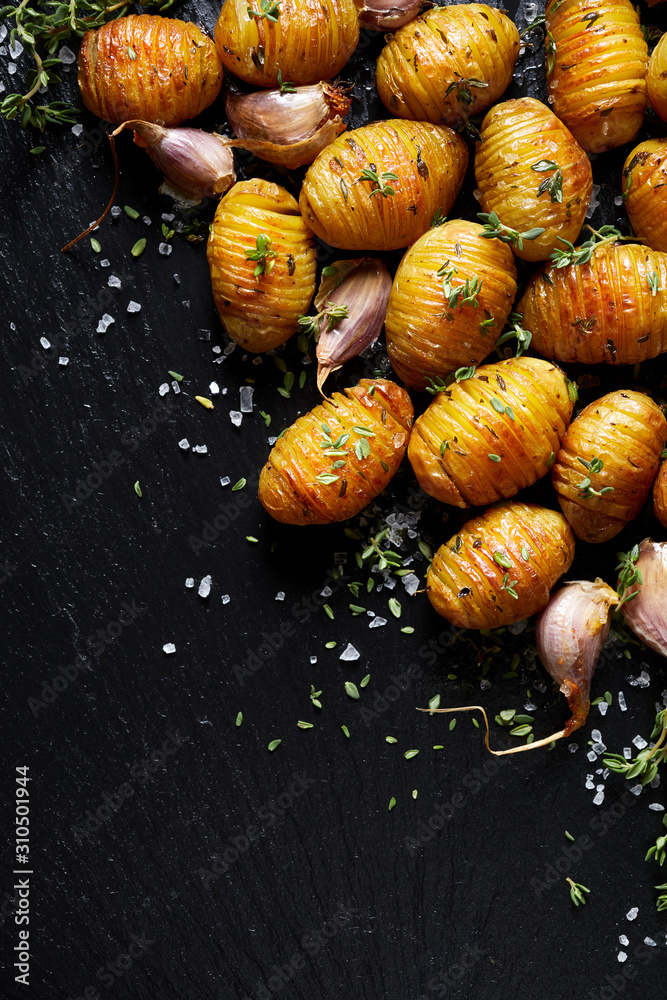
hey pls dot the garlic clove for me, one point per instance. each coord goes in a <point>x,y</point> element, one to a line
<point>363,286</point>
<point>646,614</point>
<point>570,634</point>
<point>379,15</point>
<point>288,128</point>
<point>197,164</point>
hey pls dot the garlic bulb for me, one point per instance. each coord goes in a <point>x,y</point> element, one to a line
<point>646,614</point>
<point>362,286</point>
<point>290,127</point>
<point>198,164</point>
<point>379,15</point>
<point>570,634</point>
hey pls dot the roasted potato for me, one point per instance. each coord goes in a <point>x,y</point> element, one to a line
<point>645,192</point>
<point>660,495</point>
<point>157,69</point>
<point>334,460</point>
<point>487,437</point>
<point>612,309</point>
<point>657,79</point>
<point>448,64</point>
<point>378,187</point>
<point>607,463</point>
<point>262,262</point>
<point>305,40</point>
<point>597,61</point>
<point>532,173</point>
<point>501,566</point>
<point>431,330</point>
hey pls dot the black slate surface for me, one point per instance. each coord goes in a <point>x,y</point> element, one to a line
<point>173,856</point>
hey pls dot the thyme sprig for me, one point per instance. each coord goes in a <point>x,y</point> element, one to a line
<point>583,253</point>
<point>577,891</point>
<point>270,9</point>
<point>371,174</point>
<point>312,325</point>
<point>516,330</point>
<point>628,575</point>
<point>585,487</point>
<point>462,88</point>
<point>495,230</point>
<point>264,254</point>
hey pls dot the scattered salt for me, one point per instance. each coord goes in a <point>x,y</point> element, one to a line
<point>236,417</point>
<point>599,748</point>
<point>214,389</point>
<point>516,628</point>
<point>377,622</point>
<point>618,200</point>
<point>640,742</point>
<point>602,707</point>
<point>530,706</point>
<point>113,281</point>
<point>349,653</point>
<point>169,647</point>
<point>484,684</point>
<point>164,389</point>
<point>44,342</point>
<point>116,211</point>
<point>636,789</point>
<point>63,361</point>
<point>411,583</point>
<point>229,349</point>
<point>147,221</point>
<point>177,279</point>
<point>105,323</point>
<point>622,956</point>
<point>176,387</point>
<point>573,747</point>
<point>594,202</point>
<point>225,481</point>
<point>105,263</point>
<point>200,449</point>
<point>217,349</point>
<point>642,681</point>
<point>656,807</point>
<point>205,587</point>
<point>184,444</point>
<point>598,799</point>
<point>271,441</point>
<point>625,941</point>
<point>632,913</point>
<point>226,598</point>
<point>133,307</point>
<point>313,659</point>
<point>596,735</point>
<point>245,394</point>
<point>650,942</point>
<point>280,596</point>
<point>205,335</point>
<point>167,217</point>
<point>189,583</point>
<point>591,755</point>
<point>15,49</point>
<point>590,784</point>
<point>627,753</point>
<point>66,55</point>
<point>326,592</point>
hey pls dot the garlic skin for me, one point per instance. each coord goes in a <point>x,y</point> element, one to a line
<point>288,129</point>
<point>198,164</point>
<point>569,635</point>
<point>363,285</point>
<point>379,15</point>
<point>646,614</point>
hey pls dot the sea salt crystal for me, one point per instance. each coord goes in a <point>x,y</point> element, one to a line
<point>205,587</point>
<point>190,582</point>
<point>411,583</point>
<point>599,798</point>
<point>349,653</point>
<point>599,747</point>
<point>105,323</point>
<point>636,789</point>
<point>640,742</point>
<point>205,335</point>
<point>650,942</point>
<point>377,622</point>
<point>147,221</point>
<point>105,263</point>
<point>642,681</point>
<point>625,941</point>
<point>622,956</point>
<point>3,33</point>
<point>656,782</point>
<point>590,784</point>
<point>618,200</point>
<point>573,747</point>
<point>177,279</point>
<point>167,217</point>
<point>116,211</point>
<point>44,342</point>
<point>184,444</point>
<point>389,582</point>
<point>15,49</point>
<point>627,752</point>
<point>326,592</point>
<point>236,417</point>
<point>632,913</point>
<point>185,303</point>
<point>591,755</point>
<point>229,349</point>
<point>133,307</point>
<point>602,707</point>
<point>225,481</point>
<point>484,684</point>
<point>226,598</point>
<point>63,361</point>
<point>113,281</point>
<point>245,394</point>
<point>169,648</point>
<point>516,628</point>
<point>594,202</point>
<point>214,389</point>
<point>200,449</point>
<point>217,349</point>
<point>66,55</point>
<point>280,596</point>
<point>164,389</point>
<point>596,735</point>
<point>271,441</point>
<point>656,807</point>
<point>530,706</point>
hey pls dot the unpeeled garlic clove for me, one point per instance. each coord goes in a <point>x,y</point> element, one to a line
<point>379,15</point>
<point>570,634</point>
<point>198,164</point>
<point>646,614</point>
<point>288,128</point>
<point>363,285</point>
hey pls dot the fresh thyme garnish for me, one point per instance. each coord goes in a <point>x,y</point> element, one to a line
<point>583,253</point>
<point>462,88</point>
<point>654,283</point>
<point>467,292</point>
<point>495,230</point>
<point>270,9</point>
<point>554,185</point>
<point>286,86</point>
<point>523,337</point>
<point>264,254</point>
<point>312,325</point>
<point>438,219</point>
<point>371,174</point>
<point>577,891</point>
<point>593,467</point>
<point>628,575</point>
<point>315,697</point>
<point>549,41</point>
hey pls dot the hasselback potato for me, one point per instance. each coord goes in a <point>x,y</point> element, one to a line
<point>645,192</point>
<point>260,288</point>
<point>613,308</point>
<point>501,566</point>
<point>532,173</point>
<point>335,459</point>
<point>153,68</point>
<point>429,334</point>
<point>378,187</point>
<point>607,463</point>
<point>657,78</point>
<point>660,495</point>
<point>450,63</point>
<point>306,40</point>
<point>597,73</point>
<point>489,436</point>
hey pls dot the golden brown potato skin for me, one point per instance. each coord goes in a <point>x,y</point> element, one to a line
<point>465,582</point>
<point>604,310</point>
<point>518,136</point>
<point>627,431</point>
<point>311,40</point>
<point>429,160</point>
<point>598,80</point>
<point>660,495</point>
<point>657,79</point>
<point>260,313</point>
<point>445,46</point>
<point>526,439</point>
<point>425,338</point>
<point>645,192</point>
<point>175,74</point>
<point>288,486</point>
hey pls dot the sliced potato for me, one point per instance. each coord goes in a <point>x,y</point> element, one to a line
<point>645,192</point>
<point>657,78</point>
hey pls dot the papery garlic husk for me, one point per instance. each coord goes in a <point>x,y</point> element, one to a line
<point>198,164</point>
<point>380,15</point>
<point>569,635</point>
<point>646,614</point>
<point>288,129</point>
<point>363,285</point>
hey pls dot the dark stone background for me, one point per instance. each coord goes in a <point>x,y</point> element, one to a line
<point>358,899</point>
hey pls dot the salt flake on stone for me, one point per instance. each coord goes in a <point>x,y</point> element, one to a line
<point>622,956</point>
<point>184,444</point>
<point>66,55</point>
<point>632,913</point>
<point>226,598</point>
<point>133,307</point>
<point>377,622</point>
<point>205,587</point>
<point>245,394</point>
<point>164,389</point>
<point>236,417</point>
<point>349,653</point>
<point>640,742</point>
<point>63,361</point>
<point>44,342</point>
<point>411,583</point>
<point>168,648</point>
<point>225,481</point>
<point>280,596</point>
<point>190,582</point>
<point>113,281</point>
<point>214,389</point>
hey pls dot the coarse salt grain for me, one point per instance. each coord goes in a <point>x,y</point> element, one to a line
<point>190,582</point>
<point>313,659</point>
<point>650,942</point>
<point>656,807</point>
<point>640,742</point>
<point>63,361</point>
<point>636,789</point>
<point>44,342</point>
<point>205,587</point>
<point>169,647</point>
<point>245,395</point>
<point>625,941</point>
<point>214,389</point>
<point>184,444</point>
<point>602,707</point>
<point>377,622</point>
<point>621,702</point>
<point>133,307</point>
<point>236,417</point>
<point>622,956</point>
<point>226,598</point>
<point>326,592</point>
<point>591,755</point>
<point>225,481</point>
<point>632,913</point>
<point>175,386</point>
<point>280,596</point>
<point>200,449</point>
<point>113,281</point>
<point>164,389</point>
<point>349,653</point>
